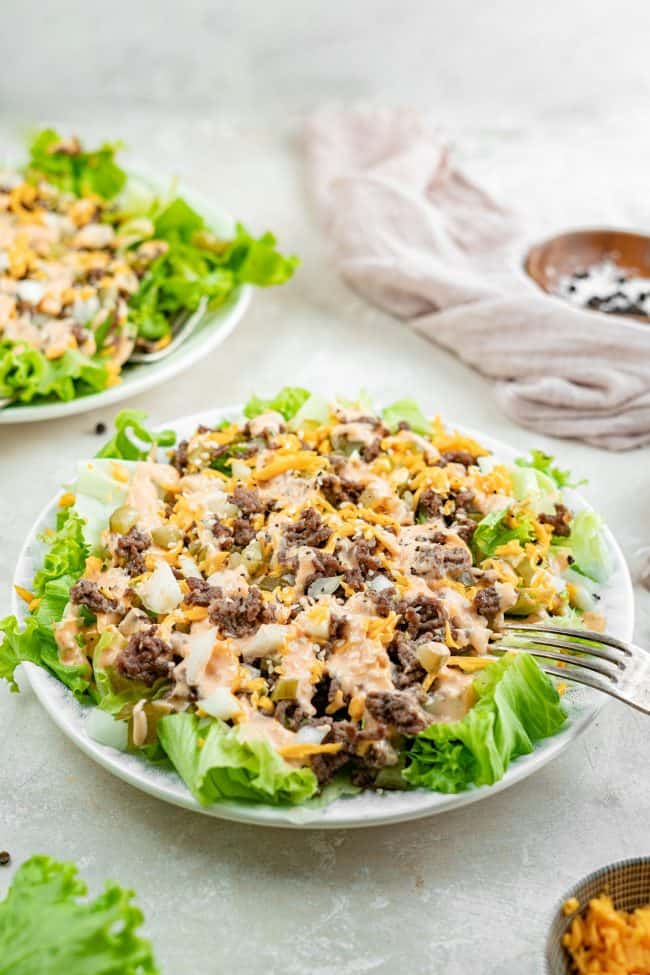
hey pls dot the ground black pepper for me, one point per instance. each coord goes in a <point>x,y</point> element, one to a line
<point>5,858</point>
<point>100,428</point>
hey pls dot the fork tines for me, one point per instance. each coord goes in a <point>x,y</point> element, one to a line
<point>603,656</point>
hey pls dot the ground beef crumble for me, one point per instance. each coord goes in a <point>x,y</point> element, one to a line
<point>248,502</point>
<point>87,593</point>
<point>399,709</point>
<point>309,529</point>
<point>146,658</point>
<point>486,602</point>
<point>129,549</point>
<point>560,521</point>
<point>242,532</point>
<point>239,615</point>
<point>200,594</point>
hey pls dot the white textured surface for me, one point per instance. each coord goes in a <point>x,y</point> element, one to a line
<point>544,102</point>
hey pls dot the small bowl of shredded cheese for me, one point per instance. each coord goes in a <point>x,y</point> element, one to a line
<point>602,926</point>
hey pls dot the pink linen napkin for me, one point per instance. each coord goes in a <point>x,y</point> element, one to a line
<point>413,235</point>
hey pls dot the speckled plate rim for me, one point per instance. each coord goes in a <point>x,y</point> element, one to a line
<point>366,809</point>
<point>215,327</point>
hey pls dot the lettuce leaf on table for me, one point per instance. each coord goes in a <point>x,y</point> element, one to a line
<point>215,764</point>
<point>47,926</point>
<point>517,705</point>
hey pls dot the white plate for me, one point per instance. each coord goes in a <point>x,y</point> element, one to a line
<point>215,327</point>
<point>366,809</point>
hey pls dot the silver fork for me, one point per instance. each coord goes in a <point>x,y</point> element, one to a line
<point>182,327</point>
<point>606,663</point>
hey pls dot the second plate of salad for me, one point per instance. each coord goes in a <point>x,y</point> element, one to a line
<point>286,615</point>
<point>100,267</point>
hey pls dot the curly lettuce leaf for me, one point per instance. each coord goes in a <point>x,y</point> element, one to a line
<point>198,265</point>
<point>517,705</point>
<point>287,402</point>
<point>588,546</point>
<point>47,924</point>
<point>63,564</point>
<point>492,532</point>
<point>132,440</point>
<point>256,260</point>
<point>406,411</point>
<point>224,767</point>
<point>545,464</point>
<point>26,375</point>
<point>70,167</point>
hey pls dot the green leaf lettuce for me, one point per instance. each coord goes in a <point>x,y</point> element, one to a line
<point>68,166</point>
<point>216,764</point>
<point>26,374</point>
<point>492,532</point>
<point>63,564</point>
<point>517,705</point>
<point>47,926</point>
<point>287,402</point>
<point>132,440</point>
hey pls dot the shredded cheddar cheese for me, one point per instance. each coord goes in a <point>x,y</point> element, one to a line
<point>606,941</point>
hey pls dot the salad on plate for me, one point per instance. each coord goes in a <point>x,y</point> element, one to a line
<point>303,603</point>
<point>95,264</point>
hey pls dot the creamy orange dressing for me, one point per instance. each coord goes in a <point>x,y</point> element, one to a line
<point>255,726</point>
<point>65,634</point>
<point>453,696</point>
<point>269,423</point>
<point>464,616</point>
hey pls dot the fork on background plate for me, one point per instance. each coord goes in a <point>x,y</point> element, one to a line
<point>596,660</point>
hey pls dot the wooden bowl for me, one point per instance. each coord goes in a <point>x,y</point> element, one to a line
<point>579,249</point>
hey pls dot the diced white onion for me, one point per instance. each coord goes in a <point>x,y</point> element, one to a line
<point>268,638</point>
<point>106,730</point>
<point>188,567</point>
<point>252,554</point>
<point>379,583</point>
<point>83,311</point>
<point>161,592</point>
<point>317,624</point>
<point>220,704</point>
<point>240,470</point>
<point>312,736</point>
<point>432,655</point>
<point>201,645</point>
<point>324,586</point>
<point>30,291</point>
